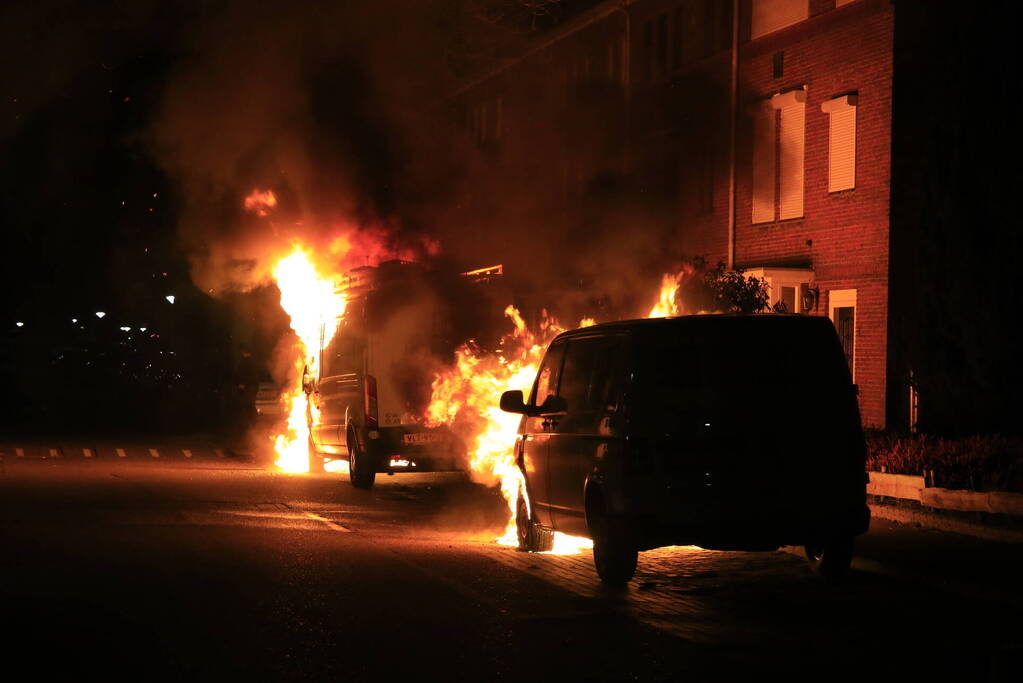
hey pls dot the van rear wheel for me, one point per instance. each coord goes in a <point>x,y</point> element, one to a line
<point>831,558</point>
<point>614,553</point>
<point>360,468</point>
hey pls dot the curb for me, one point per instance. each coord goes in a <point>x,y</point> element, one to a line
<point>933,520</point>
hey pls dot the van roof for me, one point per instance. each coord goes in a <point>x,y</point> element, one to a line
<point>702,319</point>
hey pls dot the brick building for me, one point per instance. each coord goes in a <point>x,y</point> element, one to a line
<point>774,157</point>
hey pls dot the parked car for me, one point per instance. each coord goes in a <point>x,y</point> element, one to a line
<point>268,401</point>
<point>724,431</point>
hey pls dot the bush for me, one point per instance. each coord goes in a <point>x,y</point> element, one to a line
<point>979,463</point>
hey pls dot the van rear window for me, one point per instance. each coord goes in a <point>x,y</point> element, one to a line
<point>695,363</point>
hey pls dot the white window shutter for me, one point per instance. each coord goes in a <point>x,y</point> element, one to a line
<point>763,163</point>
<point>792,148</point>
<point>773,15</point>
<point>841,142</point>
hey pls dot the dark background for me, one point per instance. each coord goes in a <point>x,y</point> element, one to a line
<point>130,132</point>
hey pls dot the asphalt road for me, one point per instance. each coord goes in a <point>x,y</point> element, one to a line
<point>215,570</point>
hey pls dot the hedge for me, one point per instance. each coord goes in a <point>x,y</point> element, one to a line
<point>977,463</point>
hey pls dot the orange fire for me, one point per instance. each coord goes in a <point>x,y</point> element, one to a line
<point>312,304</point>
<point>667,301</point>
<point>261,202</point>
<point>466,397</point>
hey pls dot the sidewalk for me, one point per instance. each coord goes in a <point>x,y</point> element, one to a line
<point>943,560</point>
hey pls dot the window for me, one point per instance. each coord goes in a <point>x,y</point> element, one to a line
<point>791,149</point>
<point>778,64</point>
<point>345,354</point>
<point>779,144</point>
<point>842,311</point>
<point>769,16</point>
<point>787,299</point>
<point>699,29</point>
<point>841,142</point>
<point>589,381</point>
<point>764,127</point>
<point>788,289</point>
<point>547,379</point>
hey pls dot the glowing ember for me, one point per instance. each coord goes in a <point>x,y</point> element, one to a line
<point>261,202</point>
<point>312,305</point>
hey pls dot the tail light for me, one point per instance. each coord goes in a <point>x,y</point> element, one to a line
<point>369,385</point>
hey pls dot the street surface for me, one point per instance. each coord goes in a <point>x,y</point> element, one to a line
<point>204,568</point>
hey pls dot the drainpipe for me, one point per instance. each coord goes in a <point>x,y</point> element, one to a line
<point>731,133</point>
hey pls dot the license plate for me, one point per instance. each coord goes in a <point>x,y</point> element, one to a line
<point>420,438</point>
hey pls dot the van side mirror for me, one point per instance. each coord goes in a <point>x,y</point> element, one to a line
<point>511,402</point>
<point>553,405</point>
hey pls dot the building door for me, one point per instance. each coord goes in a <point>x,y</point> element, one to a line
<point>844,323</point>
<point>842,310</point>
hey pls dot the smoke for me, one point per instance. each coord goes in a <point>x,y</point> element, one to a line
<point>350,115</point>
<point>299,102</point>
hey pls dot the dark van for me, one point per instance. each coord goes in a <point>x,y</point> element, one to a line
<point>723,431</point>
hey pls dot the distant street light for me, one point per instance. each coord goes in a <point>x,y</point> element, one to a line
<point>100,314</point>
<point>20,324</point>
<point>74,320</point>
<point>170,298</point>
<point>125,329</point>
<point>142,329</point>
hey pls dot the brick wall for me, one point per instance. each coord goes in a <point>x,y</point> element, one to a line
<point>843,236</point>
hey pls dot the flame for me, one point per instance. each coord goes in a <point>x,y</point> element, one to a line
<point>336,466</point>
<point>466,397</point>
<point>261,202</point>
<point>667,300</point>
<point>312,304</point>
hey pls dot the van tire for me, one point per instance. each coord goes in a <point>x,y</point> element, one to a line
<point>831,558</point>
<point>360,470</point>
<point>614,553</point>
<point>532,537</point>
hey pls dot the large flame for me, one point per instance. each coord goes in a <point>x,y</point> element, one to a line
<point>467,396</point>
<point>315,309</point>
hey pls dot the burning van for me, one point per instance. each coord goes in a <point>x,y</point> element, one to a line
<point>373,384</point>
